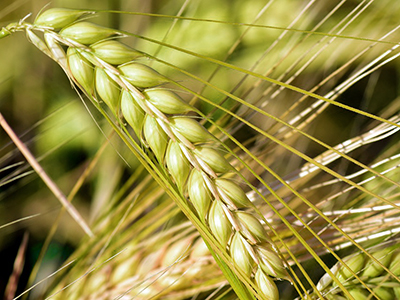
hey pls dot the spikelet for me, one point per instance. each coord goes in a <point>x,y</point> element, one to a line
<point>114,52</point>
<point>86,32</point>
<point>199,194</point>
<point>81,69</point>
<point>58,18</point>
<point>177,164</point>
<point>107,89</point>
<point>141,75</point>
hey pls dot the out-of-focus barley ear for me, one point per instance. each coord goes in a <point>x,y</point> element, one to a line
<point>58,18</point>
<point>141,75</point>
<point>156,138</point>
<point>199,194</point>
<point>125,268</point>
<point>271,263</point>
<point>177,164</point>
<point>240,254</point>
<point>219,223</point>
<point>191,130</point>
<point>87,33</point>
<point>99,282</point>
<point>373,269</point>
<point>358,294</point>
<point>81,69</point>
<point>199,249</point>
<point>355,263</point>
<point>395,264</point>
<point>166,101</point>
<point>384,293</point>
<point>132,112</point>
<point>107,89</point>
<point>213,158</point>
<point>266,285</point>
<point>114,52</point>
<point>234,192</point>
<point>396,292</point>
<point>176,252</point>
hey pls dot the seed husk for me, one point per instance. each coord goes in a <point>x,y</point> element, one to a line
<point>219,223</point>
<point>87,33</point>
<point>358,294</point>
<point>271,263</point>
<point>395,264</point>
<point>141,75</point>
<point>213,158</point>
<point>176,251</point>
<point>384,293</point>
<point>81,69</point>
<point>177,164</point>
<point>107,89</point>
<point>199,250</point>
<point>199,194</point>
<point>234,192</point>
<point>266,285</point>
<point>372,268</point>
<point>114,52</point>
<point>240,255</point>
<point>155,137</point>
<point>132,112</point>
<point>166,101</point>
<point>58,18</point>
<point>191,129</point>
<point>355,263</point>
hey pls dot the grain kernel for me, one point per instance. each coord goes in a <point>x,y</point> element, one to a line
<point>107,89</point>
<point>155,137</point>
<point>81,69</point>
<point>87,33</point>
<point>132,112</point>
<point>266,285</point>
<point>219,223</point>
<point>114,52</point>
<point>240,255</point>
<point>141,75</point>
<point>177,164</point>
<point>213,158</point>
<point>166,101</point>
<point>58,18</point>
<point>199,194</point>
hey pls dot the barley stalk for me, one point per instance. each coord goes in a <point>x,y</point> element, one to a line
<point>105,70</point>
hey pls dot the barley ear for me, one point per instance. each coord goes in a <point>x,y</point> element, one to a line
<point>58,18</point>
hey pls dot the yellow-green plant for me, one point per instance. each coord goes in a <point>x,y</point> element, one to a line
<point>235,155</point>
